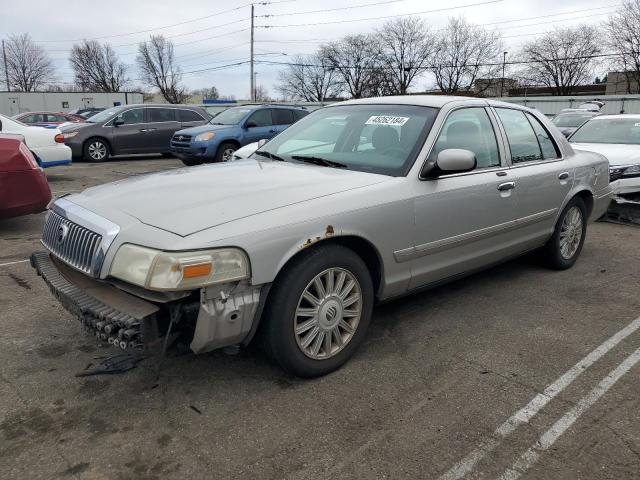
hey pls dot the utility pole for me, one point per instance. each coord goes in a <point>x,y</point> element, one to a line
<point>6,72</point>
<point>255,86</point>
<point>253,80</point>
<point>504,62</point>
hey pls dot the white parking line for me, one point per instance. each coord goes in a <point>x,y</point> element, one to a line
<point>464,466</point>
<point>13,263</point>
<point>548,438</point>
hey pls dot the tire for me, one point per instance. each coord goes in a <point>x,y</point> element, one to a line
<point>191,163</point>
<point>279,337</point>
<point>564,247</point>
<point>225,152</point>
<point>96,150</point>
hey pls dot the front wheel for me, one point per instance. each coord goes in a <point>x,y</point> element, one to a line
<point>96,150</point>
<point>318,311</point>
<point>225,152</point>
<point>564,247</point>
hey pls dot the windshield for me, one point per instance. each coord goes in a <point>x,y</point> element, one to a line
<point>611,130</point>
<point>104,115</point>
<point>231,116</point>
<point>382,139</point>
<point>571,120</point>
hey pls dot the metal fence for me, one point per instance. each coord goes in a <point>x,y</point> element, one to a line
<point>553,105</point>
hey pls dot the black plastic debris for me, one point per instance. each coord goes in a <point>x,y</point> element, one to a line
<point>112,363</point>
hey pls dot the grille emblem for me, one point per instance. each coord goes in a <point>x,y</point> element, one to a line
<point>63,230</point>
<point>180,138</point>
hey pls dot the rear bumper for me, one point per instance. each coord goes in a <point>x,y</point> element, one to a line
<point>107,312</point>
<point>23,192</point>
<point>55,155</point>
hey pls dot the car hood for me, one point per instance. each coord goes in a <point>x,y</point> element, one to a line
<point>188,200</point>
<point>203,128</point>
<point>617,154</point>
<point>72,127</point>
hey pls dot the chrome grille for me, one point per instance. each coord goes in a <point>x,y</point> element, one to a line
<point>70,242</point>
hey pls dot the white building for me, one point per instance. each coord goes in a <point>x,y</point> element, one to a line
<point>12,103</point>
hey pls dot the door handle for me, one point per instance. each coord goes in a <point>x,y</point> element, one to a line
<point>272,131</point>
<point>506,186</point>
<point>563,176</point>
<point>143,130</point>
<point>150,129</point>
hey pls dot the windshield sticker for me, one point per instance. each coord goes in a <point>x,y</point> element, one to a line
<point>636,124</point>
<point>386,120</point>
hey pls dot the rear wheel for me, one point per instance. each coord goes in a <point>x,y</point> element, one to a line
<point>564,247</point>
<point>318,311</point>
<point>225,152</point>
<point>96,150</point>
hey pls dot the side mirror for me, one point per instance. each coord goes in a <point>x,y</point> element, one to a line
<point>453,160</point>
<point>117,122</point>
<point>250,125</point>
<point>262,142</point>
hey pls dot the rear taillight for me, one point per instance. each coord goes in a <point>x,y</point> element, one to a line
<point>59,138</point>
<point>29,156</point>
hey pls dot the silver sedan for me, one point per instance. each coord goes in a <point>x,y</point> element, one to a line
<point>358,202</point>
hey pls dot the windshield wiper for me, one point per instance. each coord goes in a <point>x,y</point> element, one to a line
<point>272,156</point>
<point>319,161</point>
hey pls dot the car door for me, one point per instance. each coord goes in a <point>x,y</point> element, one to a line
<point>464,221</point>
<point>259,125</point>
<point>129,137</point>
<point>162,123</point>
<point>282,118</point>
<point>543,178</point>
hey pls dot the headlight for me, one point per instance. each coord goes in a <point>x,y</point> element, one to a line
<point>616,172</point>
<point>203,137</point>
<point>158,270</point>
<point>70,135</point>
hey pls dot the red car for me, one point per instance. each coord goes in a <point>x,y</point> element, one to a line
<point>23,186</point>
<point>47,119</point>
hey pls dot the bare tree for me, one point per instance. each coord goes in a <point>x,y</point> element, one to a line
<point>464,53</point>
<point>407,47</point>
<point>306,78</point>
<point>96,67</point>
<point>262,94</point>
<point>210,93</point>
<point>562,59</point>
<point>623,38</point>
<point>157,64</point>
<point>29,68</point>
<point>357,60</point>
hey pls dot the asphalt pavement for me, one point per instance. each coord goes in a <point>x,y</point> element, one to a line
<point>516,372</point>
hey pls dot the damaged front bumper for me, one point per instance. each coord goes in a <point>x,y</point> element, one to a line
<point>225,315</point>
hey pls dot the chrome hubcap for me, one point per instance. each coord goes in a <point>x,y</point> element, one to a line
<point>571,233</point>
<point>227,154</point>
<point>328,313</point>
<point>97,151</point>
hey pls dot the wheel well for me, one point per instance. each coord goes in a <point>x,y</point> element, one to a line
<point>361,247</point>
<point>587,198</point>
<point>234,142</point>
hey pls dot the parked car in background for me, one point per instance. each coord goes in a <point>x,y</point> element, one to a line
<point>230,130</point>
<point>86,112</point>
<point>130,129</point>
<point>568,122</point>
<point>46,144</point>
<point>361,201</point>
<point>617,137</point>
<point>24,187</point>
<point>47,119</point>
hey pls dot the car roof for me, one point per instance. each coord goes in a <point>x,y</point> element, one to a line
<point>435,101</point>
<point>630,116</point>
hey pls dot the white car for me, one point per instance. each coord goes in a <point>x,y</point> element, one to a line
<point>617,137</point>
<point>246,151</point>
<point>46,144</point>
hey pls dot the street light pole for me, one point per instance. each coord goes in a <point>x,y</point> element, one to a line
<point>504,62</point>
<point>6,72</point>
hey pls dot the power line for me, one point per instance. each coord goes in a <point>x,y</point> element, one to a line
<point>350,7</point>
<point>488,2</point>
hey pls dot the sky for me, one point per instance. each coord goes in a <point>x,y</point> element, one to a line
<point>210,36</point>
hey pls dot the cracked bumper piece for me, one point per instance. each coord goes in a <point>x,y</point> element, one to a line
<point>109,313</point>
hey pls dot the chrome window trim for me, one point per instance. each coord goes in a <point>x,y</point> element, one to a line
<point>501,151</point>
<point>437,246</point>
<point>87,219</point>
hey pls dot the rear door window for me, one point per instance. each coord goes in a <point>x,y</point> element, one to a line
<point>282,116</point>
<point>189,116</point>
<point>34,118</point>
<point>157,115</point>
<point>523,141</point>
<point>55,118</point>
